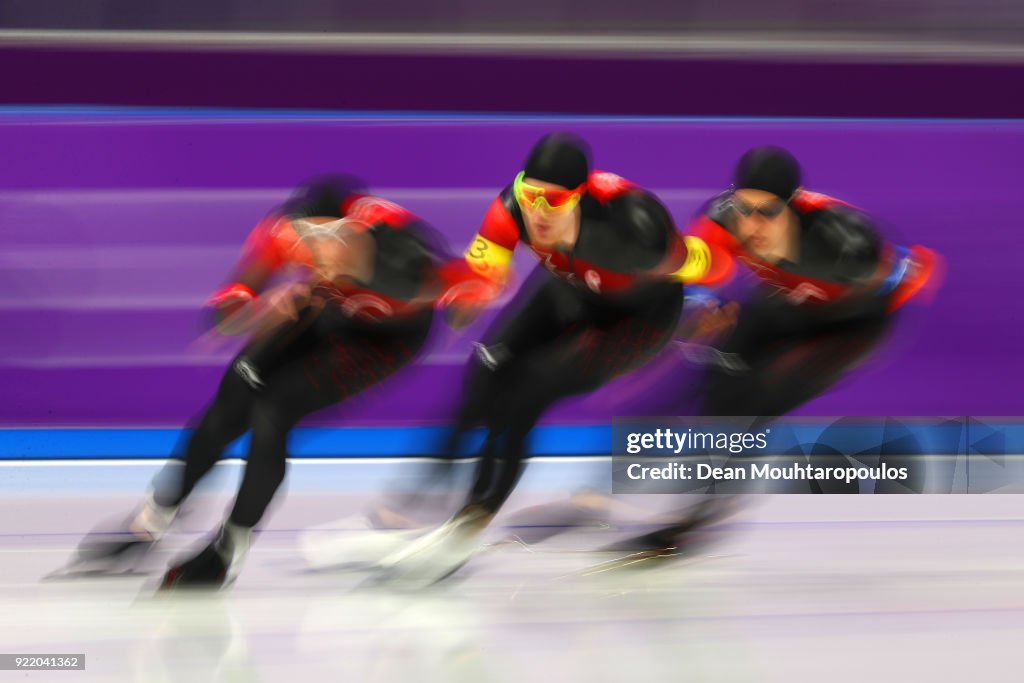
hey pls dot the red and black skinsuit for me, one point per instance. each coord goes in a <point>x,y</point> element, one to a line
<point>805,324</point>
<point>808,322</point>
<point>591,312</point>
<point>364,333</point>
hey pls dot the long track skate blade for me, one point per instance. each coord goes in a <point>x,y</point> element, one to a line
<point>72,573</point>
<point>638,561</point>
<point>124,563</point>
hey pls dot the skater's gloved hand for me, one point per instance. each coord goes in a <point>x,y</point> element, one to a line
<point>461,317</point>
<point>468,288</point>
<point>237,316</point>
<point>279,306</point>
<point>231,307</point>
<point>286,300</point>
<point>465,301</point>
<point>709,324</point>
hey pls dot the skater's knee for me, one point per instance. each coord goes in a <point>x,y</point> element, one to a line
<point>268,451</point>
<point>219,426</point>
<point>272,418</point>
<point>478,392</point>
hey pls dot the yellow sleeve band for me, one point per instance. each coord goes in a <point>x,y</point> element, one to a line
<point>488,259</point>
<point>698,260</point>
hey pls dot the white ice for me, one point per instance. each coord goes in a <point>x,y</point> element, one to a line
<point>802,588</point>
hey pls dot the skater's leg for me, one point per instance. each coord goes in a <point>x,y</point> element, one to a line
<point>573,365</point>
<point>784,372</point>
<point>227,418</point>
<point>570,365</point>
<point>342,366</point>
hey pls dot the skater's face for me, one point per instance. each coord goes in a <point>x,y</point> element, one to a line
<point>765,224</point>
<point>550,212</point>
<point>341,249</point>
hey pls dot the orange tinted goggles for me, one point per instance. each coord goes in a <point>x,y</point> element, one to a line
<point>546,198</point>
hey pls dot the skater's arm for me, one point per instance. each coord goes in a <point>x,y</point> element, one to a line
<point>265,252</point>
<point>653,247</point>
<point>709,323</point>
<point>710,254</point>
<point>478,278</point>
<point>327,248</point>
<point>917,270</point>
<point>489,255</point>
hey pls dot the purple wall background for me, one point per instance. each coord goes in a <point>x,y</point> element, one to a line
<point>875,86</point>
<point>116,227</point>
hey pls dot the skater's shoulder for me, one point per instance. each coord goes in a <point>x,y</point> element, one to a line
<point>373,210</point>
<point>640,217</point>
<point>503,223</point>
<point>604,186</point>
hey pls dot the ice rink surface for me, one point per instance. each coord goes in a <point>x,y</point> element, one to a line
<point>799,588</point>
